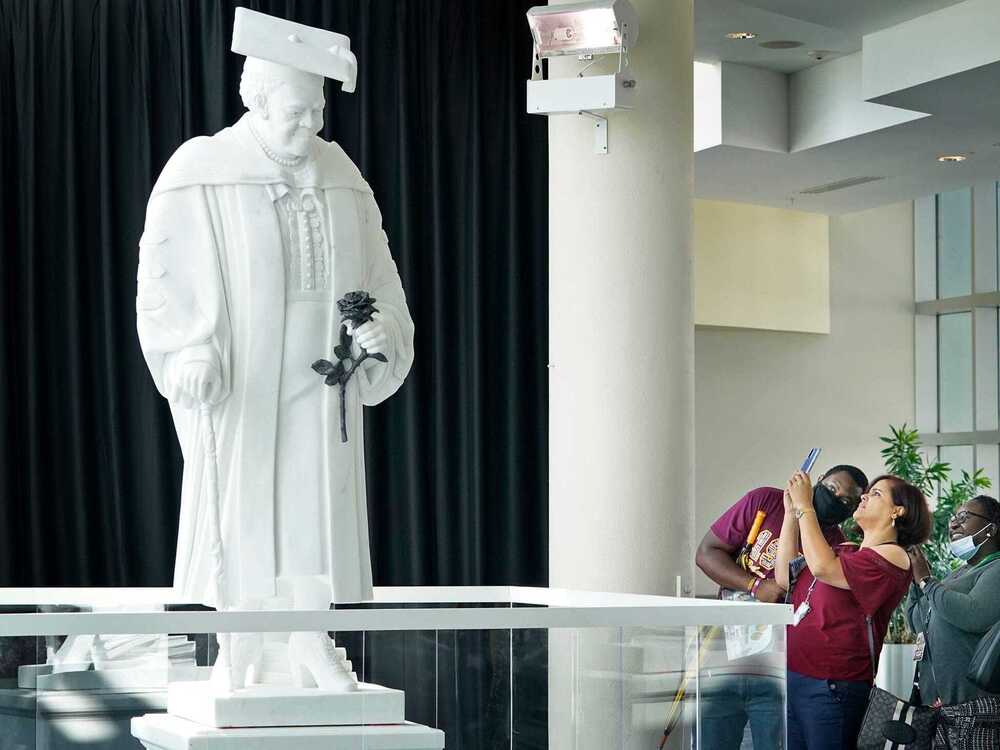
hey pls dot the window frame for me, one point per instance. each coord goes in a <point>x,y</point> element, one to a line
<point>984,305</point>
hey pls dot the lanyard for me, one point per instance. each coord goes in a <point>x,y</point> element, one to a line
<point>988,559</point>
<point>809,593</point>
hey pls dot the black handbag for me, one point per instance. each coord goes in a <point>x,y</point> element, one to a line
<point>891,723</point>
<point>984,669</point>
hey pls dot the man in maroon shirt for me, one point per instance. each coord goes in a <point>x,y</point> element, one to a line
<point>739,553</point>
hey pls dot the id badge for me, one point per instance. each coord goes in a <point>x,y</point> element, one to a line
<point>800,612</point>
<point>920,647</point>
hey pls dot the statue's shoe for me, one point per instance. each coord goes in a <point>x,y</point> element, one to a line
<point>238,652</point>
<point>316,662</point>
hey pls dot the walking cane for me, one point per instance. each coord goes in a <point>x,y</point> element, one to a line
<point>215,531</point>
<point>677,706</point>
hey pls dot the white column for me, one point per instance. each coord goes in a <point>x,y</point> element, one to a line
<point>621,380</point>
<point>621,333</point>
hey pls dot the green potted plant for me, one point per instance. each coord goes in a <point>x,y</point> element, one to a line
<point>902,457</point>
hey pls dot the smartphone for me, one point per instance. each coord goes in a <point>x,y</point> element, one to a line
<point>810,460</point>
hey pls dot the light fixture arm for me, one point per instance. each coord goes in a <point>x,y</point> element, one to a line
<point>600,131</point>
<point>623,58</point>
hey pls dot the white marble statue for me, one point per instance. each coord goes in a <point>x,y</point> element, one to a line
<point>251,237</point>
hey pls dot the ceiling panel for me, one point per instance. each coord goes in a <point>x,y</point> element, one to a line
<point>715,18</point>
<point>857,17</point>
<point>964,110</point>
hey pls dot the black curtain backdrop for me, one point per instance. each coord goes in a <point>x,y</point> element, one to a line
<point>95,95</point>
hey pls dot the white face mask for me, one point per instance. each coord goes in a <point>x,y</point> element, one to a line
<point>966,548</point>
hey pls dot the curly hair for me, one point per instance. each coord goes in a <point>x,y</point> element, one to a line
<point>256,87</point>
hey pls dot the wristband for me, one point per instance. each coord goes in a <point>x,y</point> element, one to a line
<point>755,585</point>
<point>799,512</point>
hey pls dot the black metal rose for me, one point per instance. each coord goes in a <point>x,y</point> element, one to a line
<point>358,308</point>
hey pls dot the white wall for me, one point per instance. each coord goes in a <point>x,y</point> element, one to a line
<point>826,105</point>
<point>763,398</point>
<point>761,267</point>
<point>740,105</point>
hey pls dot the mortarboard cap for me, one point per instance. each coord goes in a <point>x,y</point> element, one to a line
<point>295,45</point>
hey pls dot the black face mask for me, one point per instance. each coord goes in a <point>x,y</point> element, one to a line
<point>830,509</point>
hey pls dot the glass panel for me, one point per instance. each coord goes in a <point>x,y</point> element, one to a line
<point>988,459</point>
<point>996,280</point>
<point>955,372</point>
<point>987,369</point>
<point>530,689</point>
<point>596,688</point>
<point>960,457</point>
<point>741,687</point>
<point>954,235</point>
<point>600,688</point>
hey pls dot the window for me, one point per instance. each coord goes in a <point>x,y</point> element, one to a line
<point>954,243</point>
<point>957,326</point>
<point>955,372</point>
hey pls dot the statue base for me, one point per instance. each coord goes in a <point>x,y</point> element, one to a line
<point>82,677</point>
<point>284,706</point>
<point>166,732</point>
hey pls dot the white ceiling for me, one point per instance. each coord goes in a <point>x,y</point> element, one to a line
<point>713,19</point>
<point>856,17</point>
<point>964,109</point>
<point>905,155</point>
<point>835,26</point>
<point>829,25</point>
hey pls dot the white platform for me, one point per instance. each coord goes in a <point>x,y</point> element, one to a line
<point>165,732</point>
<point>143,678</point>
<point>280,706</point>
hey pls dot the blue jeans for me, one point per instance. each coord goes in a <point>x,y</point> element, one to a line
<point>825,714</point>
<point>728,702</point>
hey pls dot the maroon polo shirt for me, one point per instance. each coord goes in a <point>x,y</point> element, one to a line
<point>734,525</point>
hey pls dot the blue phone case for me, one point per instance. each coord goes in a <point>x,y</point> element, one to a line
<point>810,460</point>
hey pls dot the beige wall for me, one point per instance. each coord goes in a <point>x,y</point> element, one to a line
<point>764,398</point>
<point>761,267</point>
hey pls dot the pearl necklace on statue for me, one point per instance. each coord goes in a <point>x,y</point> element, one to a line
<point>269,152</point>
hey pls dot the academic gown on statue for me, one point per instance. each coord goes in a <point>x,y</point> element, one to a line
<point>212,287</point>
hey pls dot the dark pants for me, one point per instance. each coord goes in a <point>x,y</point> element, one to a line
<point>728,702</point>
<point>825,714</point>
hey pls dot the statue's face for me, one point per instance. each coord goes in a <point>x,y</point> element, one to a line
<point>294,116</point>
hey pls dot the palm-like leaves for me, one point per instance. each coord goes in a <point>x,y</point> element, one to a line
<point>903,457</point>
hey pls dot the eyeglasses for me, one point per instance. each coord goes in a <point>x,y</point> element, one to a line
<point>963,516</point>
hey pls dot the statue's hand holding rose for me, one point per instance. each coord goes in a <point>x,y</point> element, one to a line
<point>363,338</point>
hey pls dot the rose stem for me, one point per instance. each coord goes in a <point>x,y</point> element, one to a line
<point>343,394</point>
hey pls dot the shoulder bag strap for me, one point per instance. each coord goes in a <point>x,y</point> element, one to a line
<point>871,645</point>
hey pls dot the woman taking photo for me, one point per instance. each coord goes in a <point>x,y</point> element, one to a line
<point>951,616</point>
<point>841,596</point>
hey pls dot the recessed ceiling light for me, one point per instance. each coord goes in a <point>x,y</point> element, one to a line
<point>781,44</point>
<point>821,54</point>
<point>952,158</point>
<point>741,35</point>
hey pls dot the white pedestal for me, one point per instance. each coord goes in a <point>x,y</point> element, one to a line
<point>281,706</point>
<point>166,732</point>
<point>146,678</point>
<point>28,674</point>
